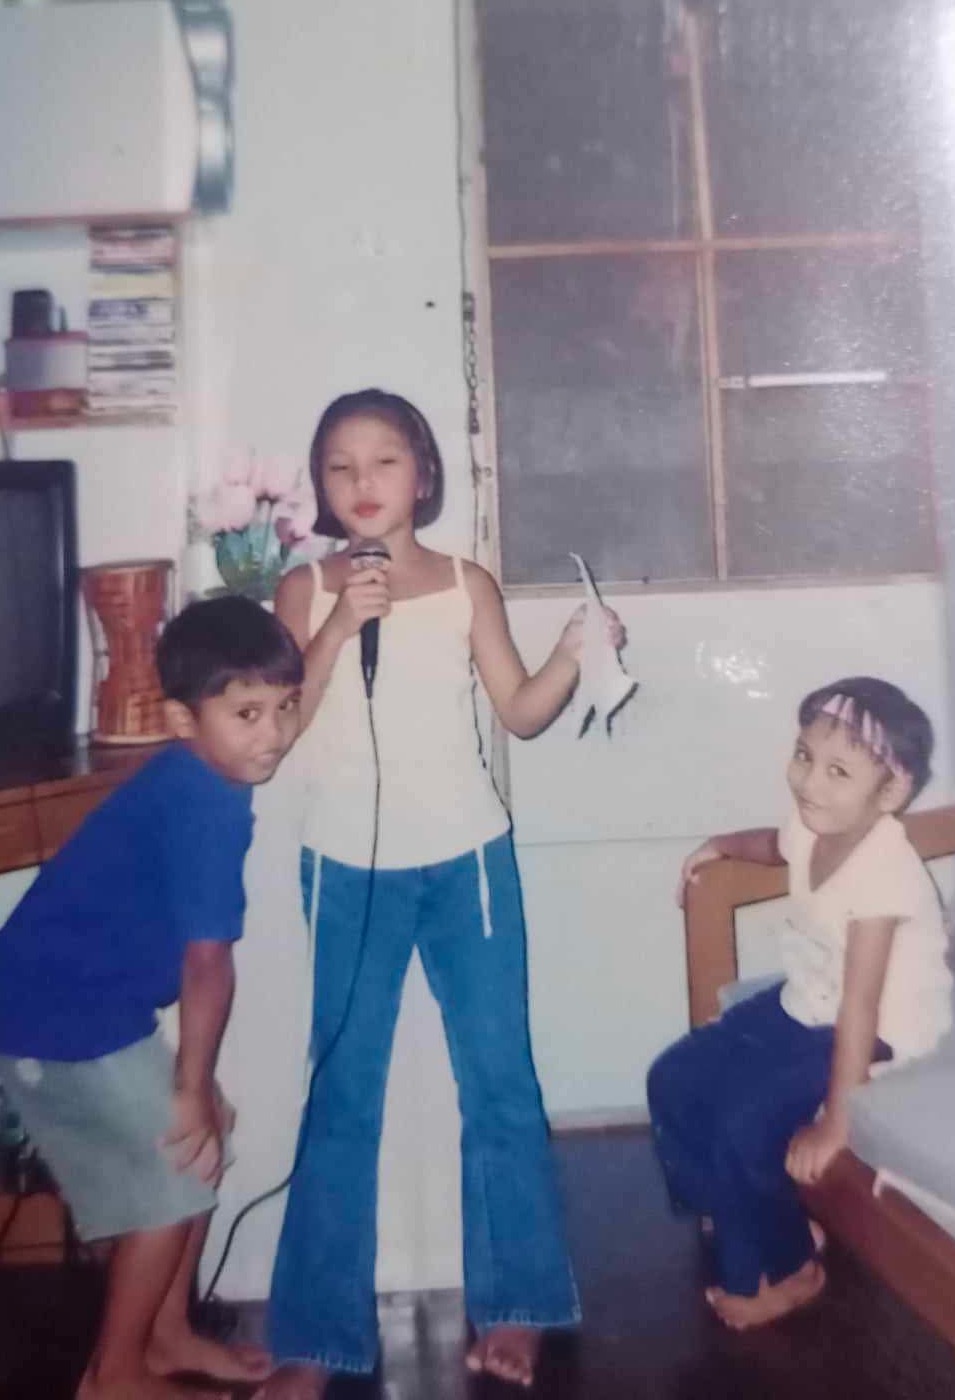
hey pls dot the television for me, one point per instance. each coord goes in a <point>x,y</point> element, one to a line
<point>39,592</point>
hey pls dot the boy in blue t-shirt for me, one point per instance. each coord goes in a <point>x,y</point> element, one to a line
<point>138,910</point>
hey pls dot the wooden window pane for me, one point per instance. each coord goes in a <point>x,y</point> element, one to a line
<point>807,114</point>
<point>828,482</point>
<point>584,118</point>
<point>600,419</point>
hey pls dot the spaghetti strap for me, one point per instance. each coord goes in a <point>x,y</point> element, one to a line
<point>458,572</point>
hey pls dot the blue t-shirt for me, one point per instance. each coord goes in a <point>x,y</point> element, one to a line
<point>96,944</point>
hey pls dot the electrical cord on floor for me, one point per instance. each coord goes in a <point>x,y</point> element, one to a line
<point>329,1049</point>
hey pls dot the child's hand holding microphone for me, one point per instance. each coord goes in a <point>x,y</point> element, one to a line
<point>364,596</point>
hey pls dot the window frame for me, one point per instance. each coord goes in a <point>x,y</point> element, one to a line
<point>707,248</point>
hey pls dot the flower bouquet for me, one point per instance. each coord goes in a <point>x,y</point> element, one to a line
<point>256,518</point>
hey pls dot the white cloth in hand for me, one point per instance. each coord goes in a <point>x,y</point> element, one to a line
<point>604,685</point>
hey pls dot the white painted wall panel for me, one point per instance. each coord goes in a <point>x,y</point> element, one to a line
<point>99,111</point>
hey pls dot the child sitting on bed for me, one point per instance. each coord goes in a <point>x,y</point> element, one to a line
<point>745,1108</point>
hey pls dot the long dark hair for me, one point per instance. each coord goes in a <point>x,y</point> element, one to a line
<point>399,414</point>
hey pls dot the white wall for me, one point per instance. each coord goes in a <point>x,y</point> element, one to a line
<point>338,265</point>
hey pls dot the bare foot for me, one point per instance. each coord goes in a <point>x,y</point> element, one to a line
<point>198,1355</point>
<point>295,1383</point>
<point>140,1386</point>
<point>772,1301</point>
<point>510,1353</point>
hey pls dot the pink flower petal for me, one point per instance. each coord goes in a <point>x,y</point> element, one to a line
<point>237,469</point>
<point>278,476</point>
<point>237,506</point>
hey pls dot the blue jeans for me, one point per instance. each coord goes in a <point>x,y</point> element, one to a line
<point>516,1264</point>
<point>724,1102</point>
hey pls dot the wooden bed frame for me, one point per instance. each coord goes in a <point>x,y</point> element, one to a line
<point>902,1245</point>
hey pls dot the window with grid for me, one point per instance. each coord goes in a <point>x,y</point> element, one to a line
<point>706,298</point>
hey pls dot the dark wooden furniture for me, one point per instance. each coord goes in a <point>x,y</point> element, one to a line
<point>42,802</point>
<point>902,1245</point>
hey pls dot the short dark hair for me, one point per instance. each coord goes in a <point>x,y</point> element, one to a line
<point>399,414</point>
<point>218,640</point>
<point>906,726</point>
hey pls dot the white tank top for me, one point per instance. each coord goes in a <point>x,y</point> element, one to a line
<point>437,798</point>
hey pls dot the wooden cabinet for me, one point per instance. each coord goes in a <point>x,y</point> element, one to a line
<point>43,801</point>
<point>19,835</point>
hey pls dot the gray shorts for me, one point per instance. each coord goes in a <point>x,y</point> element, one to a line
<point>96,1124</point>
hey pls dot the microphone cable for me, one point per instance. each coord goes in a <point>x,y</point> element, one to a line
<point>329,1049</point>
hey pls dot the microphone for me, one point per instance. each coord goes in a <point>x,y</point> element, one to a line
<point>369,554</point>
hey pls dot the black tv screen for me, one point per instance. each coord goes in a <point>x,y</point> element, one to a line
<point>38,606</point>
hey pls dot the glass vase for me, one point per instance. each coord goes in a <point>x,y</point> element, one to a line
<point>249,562</point>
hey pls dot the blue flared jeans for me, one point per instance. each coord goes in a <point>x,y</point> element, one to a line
<point>724,1103</point>
<point>516,1263</point>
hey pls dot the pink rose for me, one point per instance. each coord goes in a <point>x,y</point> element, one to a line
<point>237,504</point>
<point>238,468</point>
<point>297,517</point>
<point>292,529</point>
<point>208,512</point>
<point>229,506</point>
<point>275,477</point>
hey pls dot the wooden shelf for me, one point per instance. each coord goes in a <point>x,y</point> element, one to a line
<point>87,420</point>
<point>110,218</point>
<point>61,408</point>
<point>159,419</point>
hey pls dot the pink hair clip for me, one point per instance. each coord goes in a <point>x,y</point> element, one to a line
<point>869,731</point>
